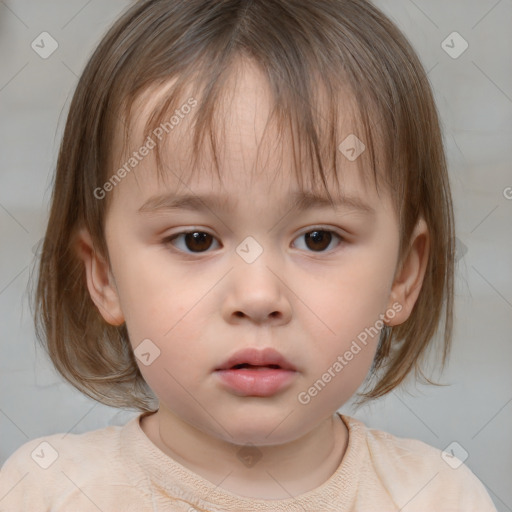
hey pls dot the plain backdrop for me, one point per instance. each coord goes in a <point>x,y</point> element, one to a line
<point>474,95</point>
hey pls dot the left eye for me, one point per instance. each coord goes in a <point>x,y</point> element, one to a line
<point>317,240</point>
<point>193,240</point>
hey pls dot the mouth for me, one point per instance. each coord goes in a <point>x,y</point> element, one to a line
<point>256,367</point>
<point>252,372</point>
<point>252,358</point>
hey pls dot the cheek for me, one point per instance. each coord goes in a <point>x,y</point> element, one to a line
<point>147,287</point>
<point>173,382</point>
<point>349,301</point>
<point>178,342</point>
<point>348,311</point>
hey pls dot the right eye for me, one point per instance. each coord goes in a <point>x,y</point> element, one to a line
<point>194,241</point>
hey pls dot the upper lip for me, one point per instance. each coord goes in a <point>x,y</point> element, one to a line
<point>257,357</point>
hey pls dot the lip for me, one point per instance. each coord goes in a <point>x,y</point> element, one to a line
<point>268,374</point>
<point>256,382</point>
<point>257,357</point>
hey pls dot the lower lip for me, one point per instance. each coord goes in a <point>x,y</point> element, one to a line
<point>256,382</point>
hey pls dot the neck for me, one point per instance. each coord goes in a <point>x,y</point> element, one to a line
<point>265,472</point>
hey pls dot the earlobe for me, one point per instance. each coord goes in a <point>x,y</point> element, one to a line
<point>100,282</point>
<point>409,279</point>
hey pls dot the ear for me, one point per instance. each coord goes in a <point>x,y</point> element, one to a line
<point>100,281</point>
<point>409,277</point>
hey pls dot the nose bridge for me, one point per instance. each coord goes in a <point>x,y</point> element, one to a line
<point>256,284</point>
<point>253,263</point>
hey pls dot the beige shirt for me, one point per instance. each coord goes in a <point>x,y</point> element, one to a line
<point>118,468</point>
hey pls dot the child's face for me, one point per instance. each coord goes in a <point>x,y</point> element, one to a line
<point>308,299</point>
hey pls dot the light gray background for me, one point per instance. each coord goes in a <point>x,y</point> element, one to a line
<point>474,95</point>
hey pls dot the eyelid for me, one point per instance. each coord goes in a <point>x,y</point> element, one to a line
<point>319,227</point>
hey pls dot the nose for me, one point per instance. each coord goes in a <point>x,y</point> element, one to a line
<point>257,292</point>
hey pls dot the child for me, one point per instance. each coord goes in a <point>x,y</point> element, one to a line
<point>324,265</point>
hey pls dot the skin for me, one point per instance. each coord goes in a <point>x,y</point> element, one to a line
<point>200,308</point>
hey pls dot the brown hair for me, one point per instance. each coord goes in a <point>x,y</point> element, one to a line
<point>302,47</point>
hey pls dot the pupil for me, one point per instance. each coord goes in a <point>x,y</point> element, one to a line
<point>196,240</point>
<point>318,237</point>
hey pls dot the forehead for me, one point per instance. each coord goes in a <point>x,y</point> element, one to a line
<point>250,145</point>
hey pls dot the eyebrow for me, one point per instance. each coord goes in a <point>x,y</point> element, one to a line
<point>297,200</point>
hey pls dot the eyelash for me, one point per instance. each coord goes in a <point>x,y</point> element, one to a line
<point>168,240</point>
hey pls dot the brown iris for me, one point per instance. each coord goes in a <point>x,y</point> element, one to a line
<point>198,240</point>
<point>318,239</point>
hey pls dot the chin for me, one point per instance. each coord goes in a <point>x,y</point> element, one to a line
<point>259,431</point>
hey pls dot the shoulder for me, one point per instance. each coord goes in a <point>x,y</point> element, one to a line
<point>68,468</point>
<point>419,476</point>
<point>61,449</point>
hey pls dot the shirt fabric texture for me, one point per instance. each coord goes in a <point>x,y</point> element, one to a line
<point>119,469</point>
